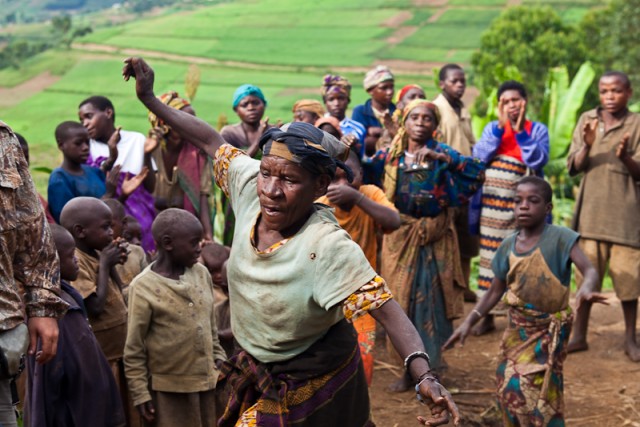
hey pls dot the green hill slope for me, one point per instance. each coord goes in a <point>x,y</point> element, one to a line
<point>281,45</point>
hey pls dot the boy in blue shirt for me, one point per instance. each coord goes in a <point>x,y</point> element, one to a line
<point>74,178</point>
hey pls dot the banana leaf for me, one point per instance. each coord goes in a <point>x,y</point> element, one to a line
<point>564,104</point>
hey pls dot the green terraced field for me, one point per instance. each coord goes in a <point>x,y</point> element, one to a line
<point>325,35</point>
<point>37,117</point>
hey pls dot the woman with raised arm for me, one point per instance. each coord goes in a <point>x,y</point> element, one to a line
<point>295,280</point>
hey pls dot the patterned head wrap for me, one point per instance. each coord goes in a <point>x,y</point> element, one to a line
<point>171,99</point>
<point>399,145</point>
<point>420,103</point>
<point>246,90</point>
<point>309,105</point>
<point>306,145</point>
<point>376,76</point>
<point>329,120</point>
<point>333,83</point>
<point>402,92</point>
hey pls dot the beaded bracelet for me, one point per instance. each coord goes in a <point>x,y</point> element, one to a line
<point>415,354</point>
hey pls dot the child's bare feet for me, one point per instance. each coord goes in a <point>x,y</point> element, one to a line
<point>403,384</point>
<point>576,346</point>
<point>632,350</point>
<point>485,326</point>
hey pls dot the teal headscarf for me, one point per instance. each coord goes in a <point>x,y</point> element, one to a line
<point>246,90</point>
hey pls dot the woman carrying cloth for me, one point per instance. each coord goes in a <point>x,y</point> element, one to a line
<point>420,260</point>
<point>295,278</point>
<point>183,178</point>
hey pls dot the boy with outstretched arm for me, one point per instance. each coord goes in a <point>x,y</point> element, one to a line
<point>606,150</point>
<point>361,210</point>
<point>172,338</point>
<point>533,266</point>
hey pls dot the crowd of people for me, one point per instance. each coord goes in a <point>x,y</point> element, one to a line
<point>139,310</point>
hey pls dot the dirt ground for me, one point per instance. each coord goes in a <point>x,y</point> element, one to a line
<point>602,386</point>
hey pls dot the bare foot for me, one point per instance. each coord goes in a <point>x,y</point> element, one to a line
<point>632,350</point>
<point>577,346</point>
<point>470,296</point>
<point>485,326</point>
<point>403,384</point>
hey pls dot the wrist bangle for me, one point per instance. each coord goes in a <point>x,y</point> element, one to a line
<point>477,312</point>
<point>360,199</point>
<point>414,355</point>
<point>428,377</point>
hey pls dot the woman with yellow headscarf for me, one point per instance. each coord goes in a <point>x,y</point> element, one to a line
<point>423,178</point>
<point>183,175</point>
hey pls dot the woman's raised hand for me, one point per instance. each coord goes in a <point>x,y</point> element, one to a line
<point>131,183</point>
<point>153,139</point>
<point>424,154</point>
<point>520,123</point>
<point>502,114</point>
<point>143,73</point>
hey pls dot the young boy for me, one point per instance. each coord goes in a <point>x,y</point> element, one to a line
<point>74,178</point>
<point>136,257</point>
<point>89,222</point>
<point>98,115</point>
<point>606,149</point>
<point>361,210</point>
<point>455,131</point>
<point>76,388</point>
<point>172,353</point>
<point>214,257</point>
<point>533,266</point>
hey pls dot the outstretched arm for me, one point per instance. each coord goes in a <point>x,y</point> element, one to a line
<point>488,301</point>
<point>587,292</point>
<point>406,340</point>
<point>387,218</point>
<point>191,128</point>
<point>342,194</point>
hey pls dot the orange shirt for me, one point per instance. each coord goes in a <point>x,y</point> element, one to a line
<point>360,226</point>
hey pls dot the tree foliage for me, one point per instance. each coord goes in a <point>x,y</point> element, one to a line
<point>613,37</point>
<point>533,39</point>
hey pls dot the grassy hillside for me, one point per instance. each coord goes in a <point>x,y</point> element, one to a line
<point>37,116</point>
<point>288,46</point>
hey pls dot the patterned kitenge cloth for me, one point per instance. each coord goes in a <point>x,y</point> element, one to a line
<point>419,259</point>
<point>534,345</point>
<point>497,219</point>
<point>308,390</point>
